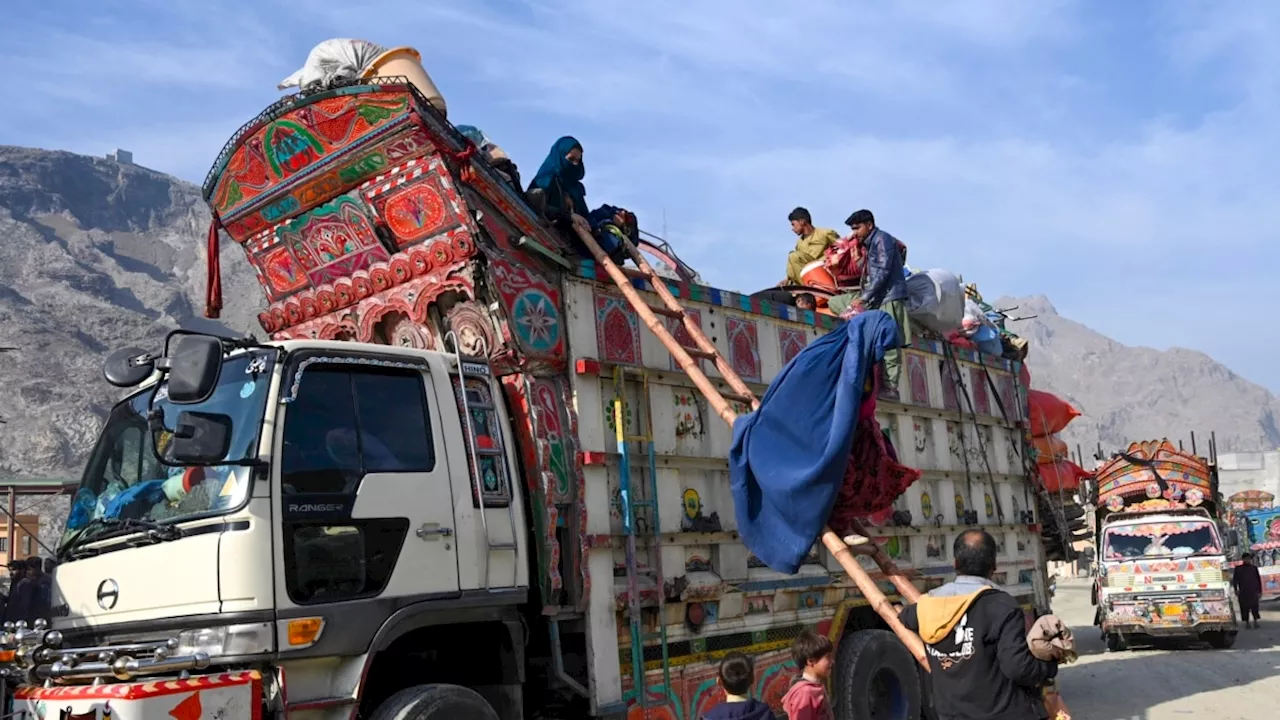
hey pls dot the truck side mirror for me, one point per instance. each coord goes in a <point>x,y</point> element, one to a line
<point>194,366</point>
<point>199,439</point>
<point>1233,538</point>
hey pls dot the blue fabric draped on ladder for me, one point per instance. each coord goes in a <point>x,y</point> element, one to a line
<point>789,457</point>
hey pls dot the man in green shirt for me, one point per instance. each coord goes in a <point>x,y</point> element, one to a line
<point>813,243</point>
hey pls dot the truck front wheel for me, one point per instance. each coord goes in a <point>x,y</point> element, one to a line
<point>435,702</point>
<point>875,678</point>
<point>1116,642</point>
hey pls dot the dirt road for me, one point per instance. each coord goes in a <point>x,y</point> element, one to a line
<point>1180,683</point>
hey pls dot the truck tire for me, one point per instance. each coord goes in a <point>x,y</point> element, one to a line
<point>435,702</point>
<point>1220,640</point>
<point>1116,643</point>
<point>875,678</point>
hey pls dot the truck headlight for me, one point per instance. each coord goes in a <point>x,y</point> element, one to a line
<point>227,640</point>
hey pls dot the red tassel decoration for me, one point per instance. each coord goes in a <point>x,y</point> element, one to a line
<point>213,280</point>
<point>463,157</point>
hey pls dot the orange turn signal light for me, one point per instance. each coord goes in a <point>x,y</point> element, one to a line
<point>305,631</point>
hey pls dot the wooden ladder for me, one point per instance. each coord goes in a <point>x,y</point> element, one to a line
<point>687,359</point>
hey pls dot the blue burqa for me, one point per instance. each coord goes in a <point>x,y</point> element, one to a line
<point>788,458</point>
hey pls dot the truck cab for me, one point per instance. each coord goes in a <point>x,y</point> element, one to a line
<point>1261,528</point>
<point>1163,574</point>
<point>307,506</point>
<point>1162,554</point>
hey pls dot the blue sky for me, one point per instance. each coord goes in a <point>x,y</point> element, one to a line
<point>1119,157</point>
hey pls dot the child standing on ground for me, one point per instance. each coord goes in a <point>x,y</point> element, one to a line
<point>737,675</point>
<point>807,698</point>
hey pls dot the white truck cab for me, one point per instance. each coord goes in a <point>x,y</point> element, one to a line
<point>310,503</point>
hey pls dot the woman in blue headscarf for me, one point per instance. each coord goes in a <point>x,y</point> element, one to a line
<point>560,181</point>
<point>557,193</point>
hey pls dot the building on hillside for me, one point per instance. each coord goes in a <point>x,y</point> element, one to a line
<point>1239,471</point>
<point>18,540</point>
<point>34,511</point>
<point>124,157</point>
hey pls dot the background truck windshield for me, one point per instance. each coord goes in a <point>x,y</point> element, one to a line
<point>1162,539</point>
<point>125,481</point>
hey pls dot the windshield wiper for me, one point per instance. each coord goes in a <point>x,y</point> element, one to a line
<point>159,532</point>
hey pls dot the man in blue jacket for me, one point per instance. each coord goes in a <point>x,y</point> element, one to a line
<point>884,287</point>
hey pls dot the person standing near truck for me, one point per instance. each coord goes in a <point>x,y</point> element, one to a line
<point>976,639</point>
<point>1247,582</point>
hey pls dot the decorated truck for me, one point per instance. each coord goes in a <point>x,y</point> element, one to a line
<point>473,475</point>
<point>1260,531</point>
<point>1162,550</point>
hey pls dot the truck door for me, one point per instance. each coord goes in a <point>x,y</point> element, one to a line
<point>367,503</point>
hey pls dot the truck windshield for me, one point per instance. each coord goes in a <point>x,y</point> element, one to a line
<point>1161,539</point>
<point>125,486</point>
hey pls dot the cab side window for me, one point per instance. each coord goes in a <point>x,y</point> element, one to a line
<point>345,423</point>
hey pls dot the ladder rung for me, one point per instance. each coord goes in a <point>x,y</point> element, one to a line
<point>667,312</point>
<point>634,272</point>
<point>503,546</point>
<point>703,354</point>
<point>737,397</point>
<point>635,438</point>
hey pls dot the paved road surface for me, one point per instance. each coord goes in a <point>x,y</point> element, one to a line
<point>1179,683</point>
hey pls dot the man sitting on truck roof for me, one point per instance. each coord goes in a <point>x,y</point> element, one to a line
<point>812,244</point>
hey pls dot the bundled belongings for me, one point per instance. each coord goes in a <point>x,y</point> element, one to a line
<point>1011,346</point>
<point>334,61</point>
<point>786,477</point>
<point>980,329</point>
<point>1049,413</point>
<point>1049,448</point>
<point>936,300</point>
<point>1050,640</point>
<point>1062,476</point>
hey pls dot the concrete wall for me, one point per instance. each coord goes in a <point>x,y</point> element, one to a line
<point>1249,471</point>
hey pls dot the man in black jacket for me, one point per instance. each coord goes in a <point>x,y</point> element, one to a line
<point>1248,584</point>
<point>976,639</point>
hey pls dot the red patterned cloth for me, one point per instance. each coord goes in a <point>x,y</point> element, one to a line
<point>873,478</point>
<point>845,259</point>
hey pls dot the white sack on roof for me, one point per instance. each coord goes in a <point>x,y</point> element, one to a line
<point>935,299</point>
<point>332,61</point>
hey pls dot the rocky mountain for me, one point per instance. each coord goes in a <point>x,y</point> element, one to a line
<point>94,256</point>
<point>1136,393</point>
